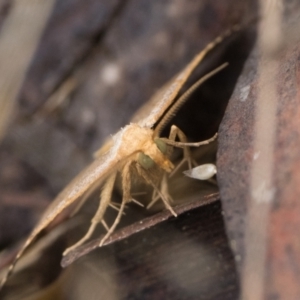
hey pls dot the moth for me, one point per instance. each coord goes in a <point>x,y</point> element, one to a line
<point>137,147</point>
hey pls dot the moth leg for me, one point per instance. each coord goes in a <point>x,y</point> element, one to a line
<point>137,202</point>
<point>163,189</point>
<point>176,132</point>
<point>105,225</point>
<point>154,198</point>
<point>126,186</point>
<point>105,199</point>
<point>184,144</point>
<point>116,207</point>
<point>164,197</point>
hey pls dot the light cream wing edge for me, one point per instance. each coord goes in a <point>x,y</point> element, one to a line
<point>149,114</point>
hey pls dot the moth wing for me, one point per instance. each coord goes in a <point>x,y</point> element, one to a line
<point>150,113</point>
<point>146,109</point>
<point>89,178</point>
<point>93,175</point>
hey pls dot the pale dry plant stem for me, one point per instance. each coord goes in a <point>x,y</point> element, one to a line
<point>19,37</point>
<point>262,188</point>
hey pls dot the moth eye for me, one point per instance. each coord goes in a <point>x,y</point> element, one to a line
<point>145,161</point>
<point>161,145</point>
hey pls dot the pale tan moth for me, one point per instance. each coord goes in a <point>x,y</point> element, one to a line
<point>135,148</point>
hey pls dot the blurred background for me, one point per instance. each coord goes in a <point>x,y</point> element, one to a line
<point>74,72</point>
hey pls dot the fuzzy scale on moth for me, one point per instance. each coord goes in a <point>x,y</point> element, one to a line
<point>135,139</point>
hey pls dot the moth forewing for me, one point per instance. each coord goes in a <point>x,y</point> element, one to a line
<point>123,149</point>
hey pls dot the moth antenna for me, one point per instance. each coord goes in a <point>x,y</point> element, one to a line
<point>174,109</point>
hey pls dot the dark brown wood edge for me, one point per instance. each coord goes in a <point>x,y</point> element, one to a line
<point>137,227</point>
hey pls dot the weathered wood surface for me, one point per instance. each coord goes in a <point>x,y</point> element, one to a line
<point>236,156</point>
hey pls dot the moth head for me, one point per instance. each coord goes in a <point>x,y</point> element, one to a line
<point>155,154</point>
